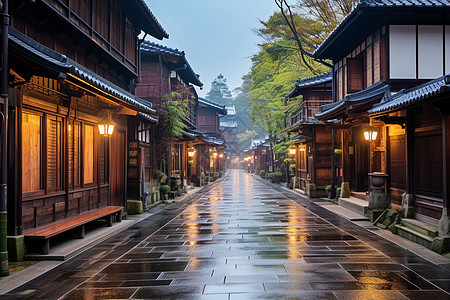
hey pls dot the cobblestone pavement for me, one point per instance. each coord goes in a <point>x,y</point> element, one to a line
<point>244,239</point>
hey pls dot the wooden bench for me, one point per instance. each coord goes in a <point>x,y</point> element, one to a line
<point>44,233</point>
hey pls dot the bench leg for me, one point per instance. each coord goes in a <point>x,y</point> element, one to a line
<point>109,220</point>
<point>119,216</point>
<point>81,231</point>
<point>46,246</point>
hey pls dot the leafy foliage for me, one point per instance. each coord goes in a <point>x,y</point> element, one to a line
<point>245,138</point>
<point>307,24</point>
<point>176,111</point>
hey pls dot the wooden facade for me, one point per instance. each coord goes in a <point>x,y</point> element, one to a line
<point>374,70</point>
<point>311,139</point>
<point>166,74</point>
<point>72,65</point>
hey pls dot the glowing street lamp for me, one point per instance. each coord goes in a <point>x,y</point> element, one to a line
<point>221,155</point>
<point>106,127</point>
<point>370,133</point>
<point>191,152</point>
<point>292,151</point>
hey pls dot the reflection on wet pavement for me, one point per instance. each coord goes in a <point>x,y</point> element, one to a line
<point>246,240</point>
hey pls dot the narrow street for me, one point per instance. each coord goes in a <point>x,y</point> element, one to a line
<point>243,238</point>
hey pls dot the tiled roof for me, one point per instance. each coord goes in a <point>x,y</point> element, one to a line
<point>228,124</point>
<point>160,32</point>
<point>148,117</point>
<point>309,82</point>
<point>372,4</point>
<point>314,80</point>
<point>403,3</point>
<point>154,48</point>
<point>217,106</point>
<point>183,67</point>
<point>405,98</point>
<point>56,61</point>
<point>374,92</point>
<point>108,87</point>
<point>39,53</point>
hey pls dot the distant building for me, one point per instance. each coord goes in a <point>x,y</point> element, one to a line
<point>228,128</point>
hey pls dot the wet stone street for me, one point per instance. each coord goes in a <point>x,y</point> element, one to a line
<point>243,238</point>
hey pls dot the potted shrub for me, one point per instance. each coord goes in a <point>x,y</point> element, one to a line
<point>159,175</point>
<point>164,189</point>
<point>262,173</point>
<point>220,174</point>
<point>328,189</point>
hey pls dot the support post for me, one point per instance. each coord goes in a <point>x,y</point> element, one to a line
<point>4,269</point>
<point>333,164</point>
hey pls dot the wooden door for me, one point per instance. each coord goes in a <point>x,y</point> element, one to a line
<point>117,175</point>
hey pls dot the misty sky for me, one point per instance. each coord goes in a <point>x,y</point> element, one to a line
<point>216,35</point>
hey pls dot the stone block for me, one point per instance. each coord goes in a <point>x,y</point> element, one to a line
<point>310,187</point>
<point>16,247</point>
<point>134,207</point>
<point>345,190</point>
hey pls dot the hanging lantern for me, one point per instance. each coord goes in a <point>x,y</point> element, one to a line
<point>370,133</point>
<point>106,127</point>
<point>221,155</point>
<point>191,152</point>
<point>292,151</point>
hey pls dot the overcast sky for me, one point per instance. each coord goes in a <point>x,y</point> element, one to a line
<point>216,35</point>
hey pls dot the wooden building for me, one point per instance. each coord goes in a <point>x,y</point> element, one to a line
<point>380,49</point>
<point>71,67</point>
<point>165,75</point>
<point>229,130</point>
<point>208,122</point>
<point>311,139</point>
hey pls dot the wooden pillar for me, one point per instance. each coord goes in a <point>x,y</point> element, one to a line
<point>408,197</point>
<point>409,140</point>
<point>446,159</point>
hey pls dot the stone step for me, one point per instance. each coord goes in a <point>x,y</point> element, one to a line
<point>354,204</point>
<point>415,236</point>
<point>421,227</point>
<point>343,212</point>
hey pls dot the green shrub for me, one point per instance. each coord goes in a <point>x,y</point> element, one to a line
<point>328,188</point>
<point>262,173</point>
<point>338,192</point>
<point>278,173</point>
<point>220,174</point>
<point>180,191</point>
<point>159,175</point>
<point>271,176</point>
<point>164,189</point>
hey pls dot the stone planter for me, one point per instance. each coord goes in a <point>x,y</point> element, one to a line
<point>378,179</point>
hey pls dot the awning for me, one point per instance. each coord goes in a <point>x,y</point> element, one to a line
<point>352,102</point>
<point>305,83</point>
<point>411,96</point>
<point>74,72</point>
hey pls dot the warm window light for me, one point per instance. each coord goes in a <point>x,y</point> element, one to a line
<point>215,154</point>
<point>370,133</point>
<point>221,155</point>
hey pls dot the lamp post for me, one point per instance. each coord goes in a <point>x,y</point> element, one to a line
<point>292,152</point>
<point>370,135</point>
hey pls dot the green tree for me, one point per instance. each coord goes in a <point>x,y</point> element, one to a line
<point>175,106</point>
<point>307,23</point>
<point>219,91</point>
<point>245,139</point>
